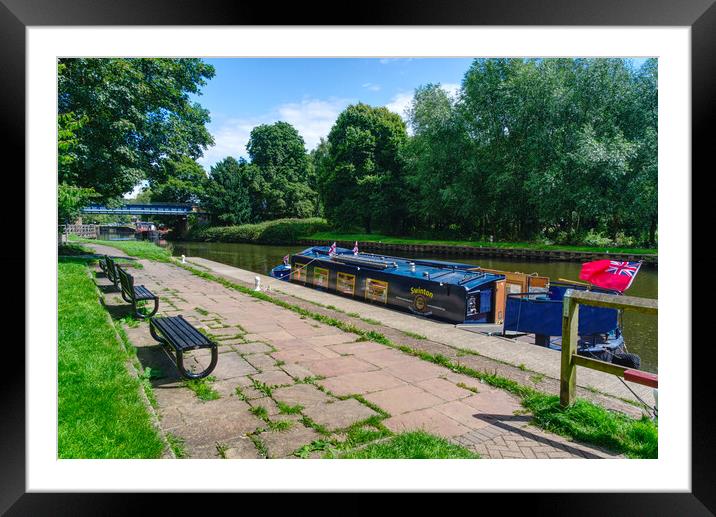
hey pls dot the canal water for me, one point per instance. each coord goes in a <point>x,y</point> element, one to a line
<point>640,331</point>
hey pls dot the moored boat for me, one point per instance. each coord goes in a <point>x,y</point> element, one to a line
<point>483,300</point>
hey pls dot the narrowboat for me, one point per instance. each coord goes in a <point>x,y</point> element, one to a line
<point>442,290</point>
<point>478,299</point>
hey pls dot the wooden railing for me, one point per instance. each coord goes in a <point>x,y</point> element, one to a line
<point>570,325</point>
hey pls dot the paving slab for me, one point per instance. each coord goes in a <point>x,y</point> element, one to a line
<point>304,394</point>
<point>273,378</point>
<point>428,420</point>
<point>403,399</point>
<point>282,444</point>
<point>338,366</point>
<point>230,366</point>
<point>339,414</point>
<point>361,383</point>
<point>262,362</point>
<point>253,348</point>
<point>444,389</point>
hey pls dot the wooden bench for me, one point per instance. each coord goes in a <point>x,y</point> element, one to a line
<point>133,294</point>
<point>179,334</point>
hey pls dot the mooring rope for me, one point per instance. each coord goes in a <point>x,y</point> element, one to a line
<point>647,406</point>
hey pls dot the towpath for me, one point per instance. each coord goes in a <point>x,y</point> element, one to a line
<point>313,381</point>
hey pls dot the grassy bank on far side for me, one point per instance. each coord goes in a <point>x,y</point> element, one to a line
<point>387,239</point>
<point>101,413</point>
<point>139,249</point>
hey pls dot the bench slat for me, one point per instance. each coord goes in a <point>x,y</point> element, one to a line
<point>180,333</point>
<point>142,293</point>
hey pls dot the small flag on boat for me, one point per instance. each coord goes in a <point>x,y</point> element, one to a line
<point>332,249</point>
<point>285,260</point>
<point>355,249</point>
<point>610,274</point>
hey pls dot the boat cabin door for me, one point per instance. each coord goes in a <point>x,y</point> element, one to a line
<point>500,301</point>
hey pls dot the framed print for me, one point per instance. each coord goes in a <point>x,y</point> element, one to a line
<point>35,34</point>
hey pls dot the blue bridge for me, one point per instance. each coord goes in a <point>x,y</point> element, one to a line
<point>180,209</point>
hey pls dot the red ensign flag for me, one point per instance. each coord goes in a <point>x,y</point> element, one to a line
<point>610,274</point>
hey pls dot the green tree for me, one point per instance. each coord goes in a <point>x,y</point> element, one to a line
<point>435,155</point>
<point>362,182</point>
<point>226,194</point>
<point>136,114</point>
<point>182,181</point>
<point>71,200</point>
<point>284,175</point>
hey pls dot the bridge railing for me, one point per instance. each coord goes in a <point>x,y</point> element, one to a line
<point>570,325</point>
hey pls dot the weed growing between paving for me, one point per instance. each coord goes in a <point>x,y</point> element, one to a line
<point>177,445</point>
<point>492,379</point>
<point>202,388</point>
<point>412,445</point>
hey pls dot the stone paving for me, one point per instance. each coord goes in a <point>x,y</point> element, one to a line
<point>285,381</point>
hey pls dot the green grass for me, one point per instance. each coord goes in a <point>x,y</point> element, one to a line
<point>587,430</point>
<point>101,413</point>
<point>202,388</point>
<point>138,249</point>
<point>412,445</point>
<point>177,445</point>
<point>289,410</point>
<point>387,239</point>
<point>588,422</point>
<point>414,335</point>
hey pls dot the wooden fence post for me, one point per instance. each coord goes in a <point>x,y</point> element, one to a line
<point>570,335</point>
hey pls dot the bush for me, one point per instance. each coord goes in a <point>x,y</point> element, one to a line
<point>280,231</point>
<point>597,239</point>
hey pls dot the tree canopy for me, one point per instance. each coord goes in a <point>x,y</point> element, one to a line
<point>226,194</point>
<point>552,148</point>
<point>283,173</point>
<point>361,176</point>
<point>128,117</point>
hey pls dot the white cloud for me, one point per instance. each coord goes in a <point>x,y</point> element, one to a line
<point>452,88</point>
<point>372,86</point>
<point>400,103</point>
<point>312,118</point>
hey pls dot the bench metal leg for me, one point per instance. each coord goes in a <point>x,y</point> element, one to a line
<point>200,375</point>
<point>156,336</point>
<point>145,316</point>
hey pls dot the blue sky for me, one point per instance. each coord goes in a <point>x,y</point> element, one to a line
<point>309,93</point>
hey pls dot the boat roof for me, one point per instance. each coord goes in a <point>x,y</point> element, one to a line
<point>453,273</point>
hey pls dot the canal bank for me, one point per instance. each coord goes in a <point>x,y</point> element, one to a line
<point>534,362</point>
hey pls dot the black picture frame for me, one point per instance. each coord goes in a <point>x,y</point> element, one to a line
<point>699,15</point>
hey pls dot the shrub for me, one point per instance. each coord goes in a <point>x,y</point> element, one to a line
<point>597,239</point>
<point>280,231</point>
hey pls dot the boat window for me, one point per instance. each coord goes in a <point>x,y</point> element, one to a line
<point>345,283</point>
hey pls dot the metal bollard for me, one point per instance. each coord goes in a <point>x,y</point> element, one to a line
<point>257,287</point>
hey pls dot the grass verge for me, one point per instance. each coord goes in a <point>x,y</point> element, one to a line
<point>101,413</point>
<point>139,249</point>
<point>589,422</point>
